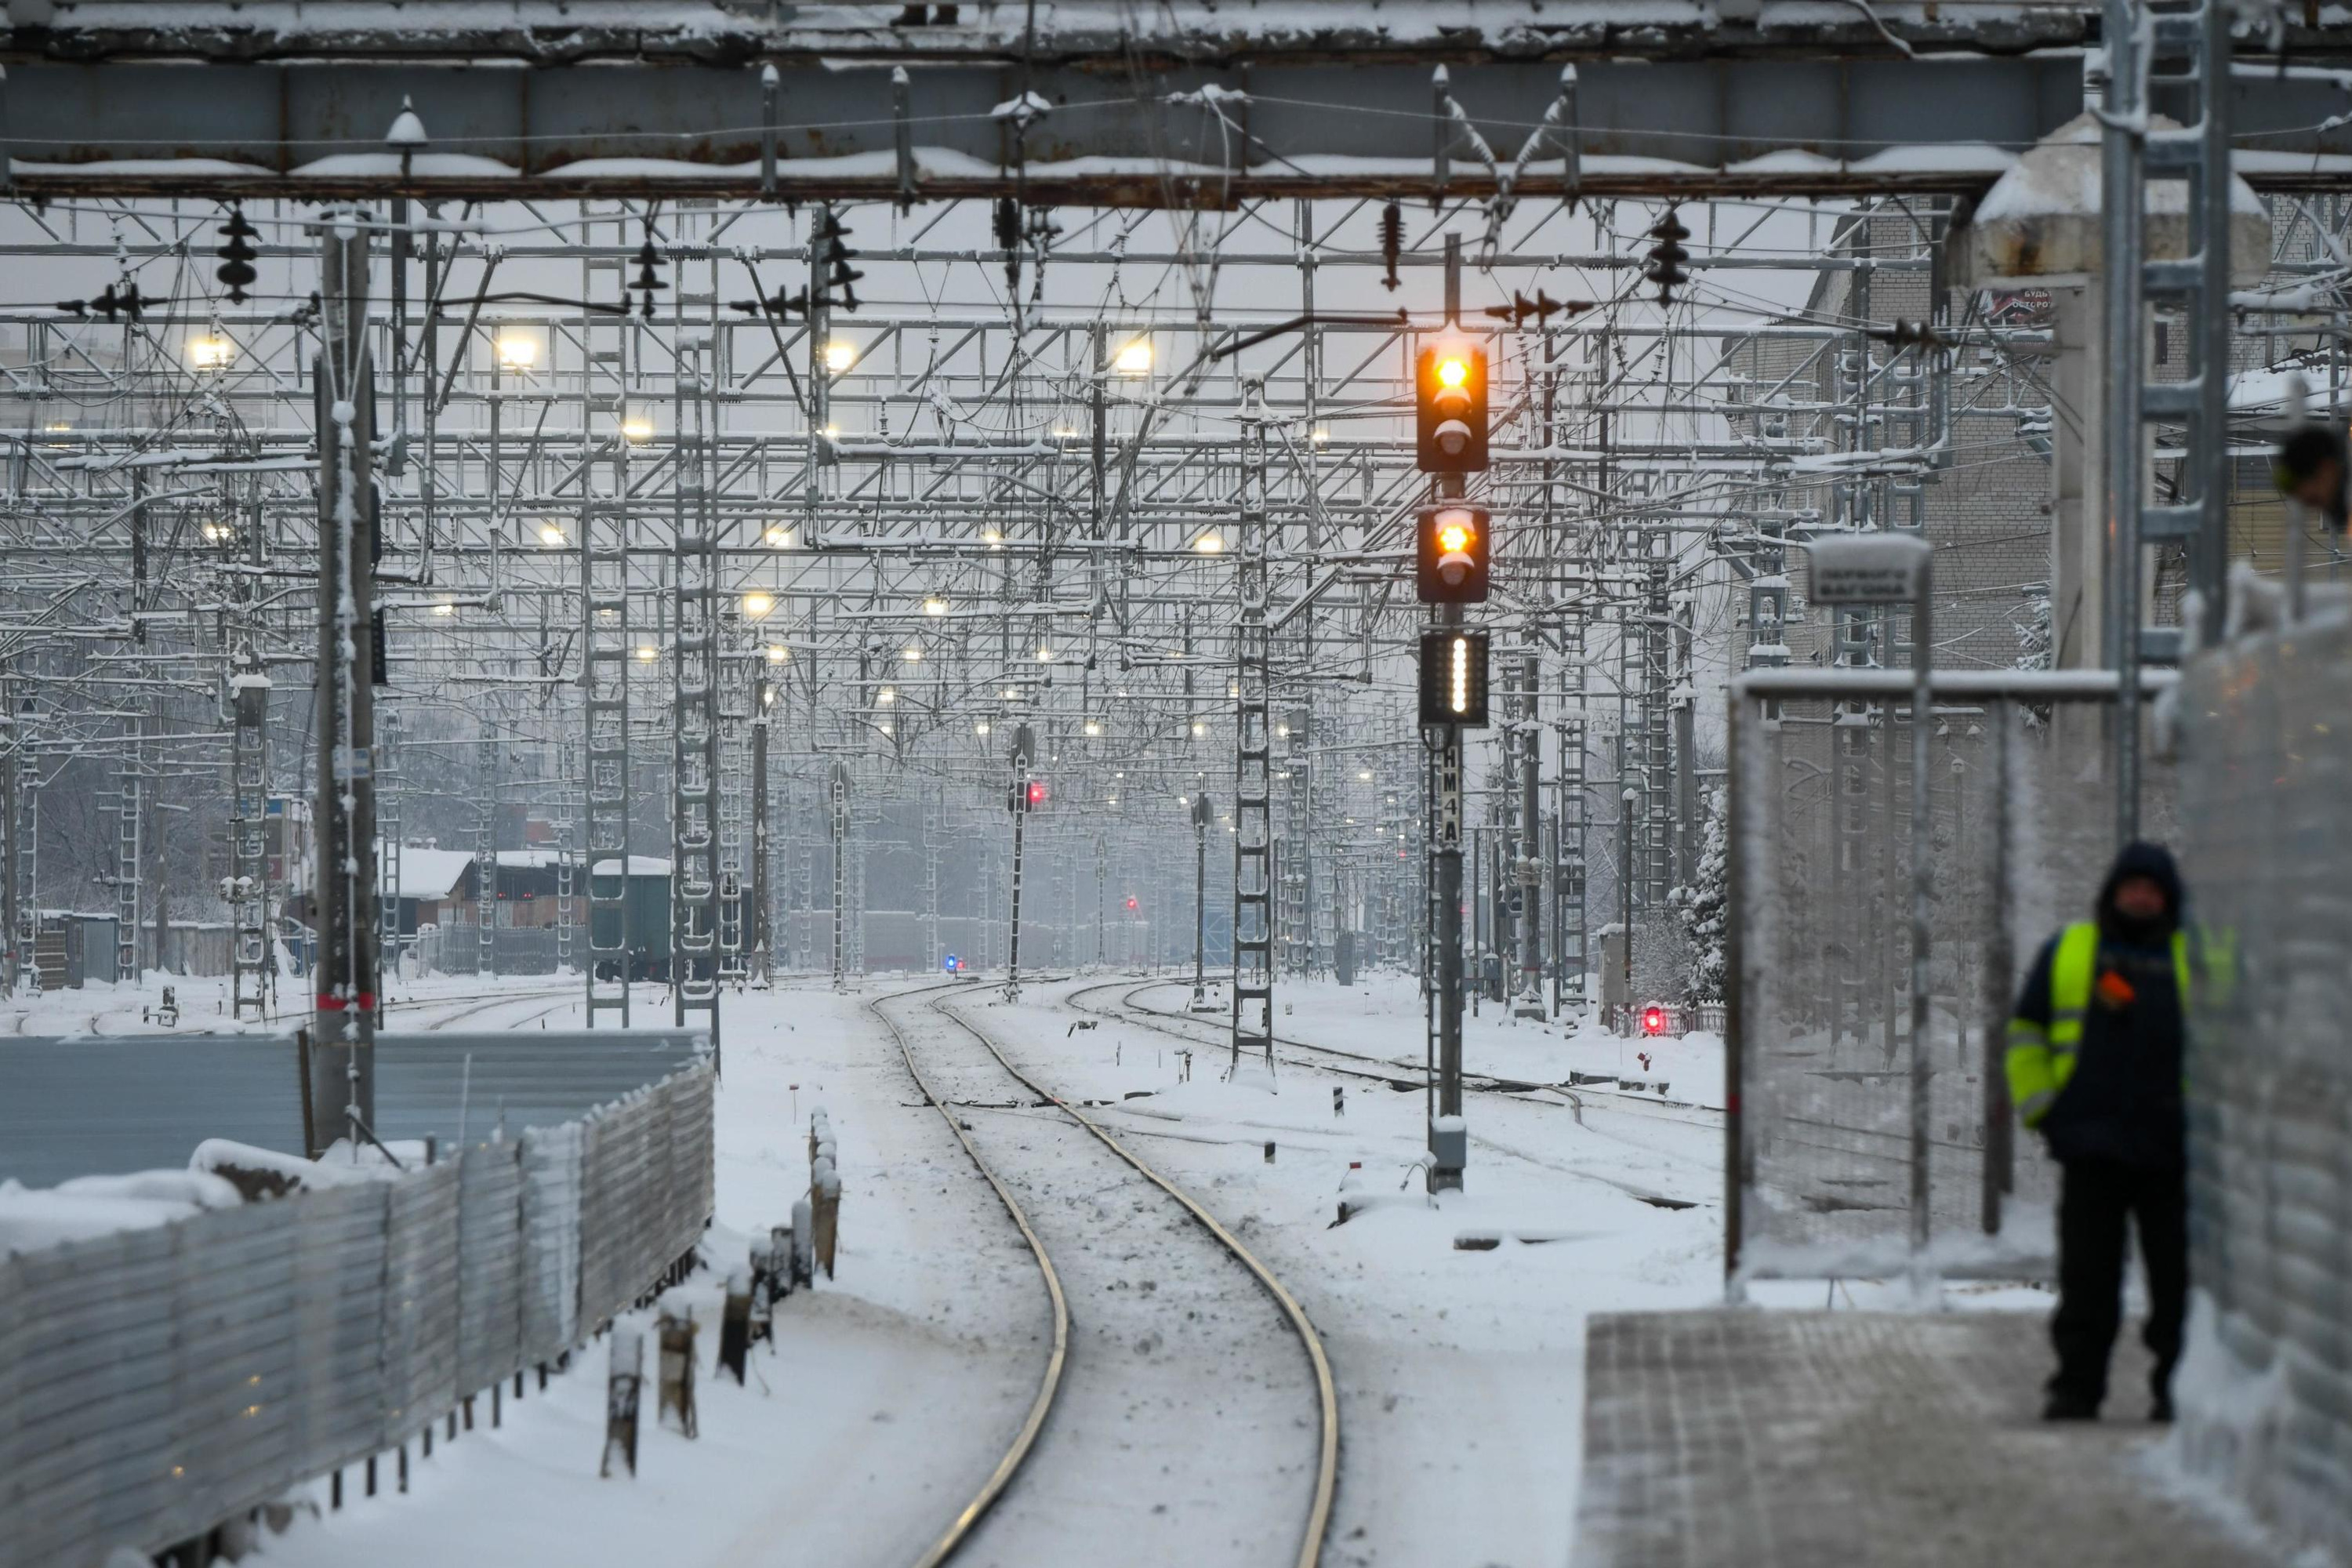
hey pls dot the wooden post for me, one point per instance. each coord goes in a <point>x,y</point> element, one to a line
<point>678,1371</point>
<point>621,1391</point>
<point>735,1326</point>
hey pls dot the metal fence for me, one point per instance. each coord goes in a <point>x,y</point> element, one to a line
<point>88,1105</point>
<point>2265,1391</point>
<point>156,1382</point>
<point>1819,1047</point>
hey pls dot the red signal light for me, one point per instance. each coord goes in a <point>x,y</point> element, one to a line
<point>1132,906</point>
<point>1037,792</point>
<point>1654,1020</point>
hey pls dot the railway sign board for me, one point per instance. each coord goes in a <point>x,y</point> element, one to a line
<point>1869,569</point>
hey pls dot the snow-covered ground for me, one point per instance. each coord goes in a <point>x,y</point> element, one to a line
<point>1185,1429</point>
<point>894,1388</point>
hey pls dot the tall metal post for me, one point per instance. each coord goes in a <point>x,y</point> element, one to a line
<point>248,878</point>
<point>1446,992</point>
<point>762,933</point>
<point>1252,1026</point>
<point>342,1031</point>
<point>694,694</point>
<point>838,818</point>
<point>388,835</point>
<point>2122,187</point>
<point>11,850</point>
<point>1018,799</point>
<point>1529,1002</point>
<point>1922,905</point>
<point>608,652</point>
<point>1202,816</point>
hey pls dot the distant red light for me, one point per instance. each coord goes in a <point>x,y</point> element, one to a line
<point>1037,792</point>
<point>1654,1020</point>
<point>1132,906</point>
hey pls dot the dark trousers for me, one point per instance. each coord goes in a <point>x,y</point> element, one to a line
<point>2097,1200</point>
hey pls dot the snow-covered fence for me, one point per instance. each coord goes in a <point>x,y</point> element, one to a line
<point>157,1380</point>
<point>1818,1016</point>
<point>2265,1392</point>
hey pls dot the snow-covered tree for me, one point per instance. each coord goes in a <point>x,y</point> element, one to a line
<point>1703,906</point>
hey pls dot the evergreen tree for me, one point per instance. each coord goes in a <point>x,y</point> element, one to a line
<point>1703,906</point>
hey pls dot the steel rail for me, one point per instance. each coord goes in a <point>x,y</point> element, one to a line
<point>1526,1091</point>
<point>959,1529</point>
<point>1319,1513</point>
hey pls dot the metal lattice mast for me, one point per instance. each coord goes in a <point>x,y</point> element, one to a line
<point>694,697</point>
<point>934,834</point>
<point>606,651</point>
<point>1253,987</point>
<point>1527,851</point>
<point>1290,845</point>
<point>763,889</point>
<point>837,817</point>
<point>248,878</point>
<point>130,814</point>
<point>11,847</point>
<point>567,853</point>
<point>24,859</point>
<point>2195,43</point>
<point>388,759</point>
<point>1570,918</point>
<point>735,704</point>
<point>485,850</point>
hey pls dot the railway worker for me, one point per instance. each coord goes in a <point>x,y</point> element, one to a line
<point>2093,1064</point>
<point>2312,466</point>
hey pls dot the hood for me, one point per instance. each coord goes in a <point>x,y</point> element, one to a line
<point>2140,859</point>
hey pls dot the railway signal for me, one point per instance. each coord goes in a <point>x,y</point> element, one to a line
<point>1451,553</point>
<point>1450,409</point>
<point>1454,678</point>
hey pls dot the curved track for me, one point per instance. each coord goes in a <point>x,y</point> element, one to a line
<point>1099,1384</point>
<point>1387,1069</point>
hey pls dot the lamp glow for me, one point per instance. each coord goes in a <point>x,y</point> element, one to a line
<point>1134,357</point>
<point>518,351</point>
<point>1458,692</point>
<point>551,534</point>
<point>757,604</point>
<point>210,352</point>
<point>839,355</point>
<point>779,654</point>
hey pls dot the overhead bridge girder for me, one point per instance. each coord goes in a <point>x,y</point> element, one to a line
<point>572,105</point>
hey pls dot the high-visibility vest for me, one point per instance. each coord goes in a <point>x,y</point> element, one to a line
<point>2039,1061</point>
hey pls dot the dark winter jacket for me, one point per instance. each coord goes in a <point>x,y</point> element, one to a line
<point>2122,1101</point>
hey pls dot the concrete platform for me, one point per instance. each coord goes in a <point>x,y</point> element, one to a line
<point>1766,1439</point>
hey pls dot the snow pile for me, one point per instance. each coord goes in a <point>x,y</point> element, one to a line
<point>32,1218</point>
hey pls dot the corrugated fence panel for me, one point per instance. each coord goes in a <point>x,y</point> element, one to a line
<point>337,1322</point>
<point>612,1240</point>
<point>551,1225</point>
<point>2266,1389</point>
<point>691,1156</point>
<point>420,1300</point>
<point>95,1393</point>
<point>235,1435</point>
<point>491,1252</point>
<point>155,1381</point>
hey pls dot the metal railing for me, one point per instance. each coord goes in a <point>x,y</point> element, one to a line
<point>160,1381</point>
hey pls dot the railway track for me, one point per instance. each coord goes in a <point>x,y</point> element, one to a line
<point>1388,1070</point>
<point>1143,1345</point>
